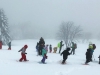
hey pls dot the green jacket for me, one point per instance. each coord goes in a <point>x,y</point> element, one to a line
<point>58,45</point>
<point>43,52</point>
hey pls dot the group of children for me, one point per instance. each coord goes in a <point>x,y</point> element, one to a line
<point>65,53</point>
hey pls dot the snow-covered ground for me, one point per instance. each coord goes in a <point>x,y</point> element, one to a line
<point>9,66</point>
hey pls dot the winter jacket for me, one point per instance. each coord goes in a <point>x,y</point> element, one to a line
<point>41,43</point>
<point>60,44</point>
<point>65,53</point>
<point>50,47</point>
<point>23,50</point>
<point>43,52</point>
<point>73,45</point>
<point>46,47</point>
<point>88,54</point>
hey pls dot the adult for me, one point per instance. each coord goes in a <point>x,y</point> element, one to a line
<point>41,45</point>
<point>60,44</point>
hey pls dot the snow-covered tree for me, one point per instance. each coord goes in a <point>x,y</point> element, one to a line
<point>4,29</point>
<point>68,32</point>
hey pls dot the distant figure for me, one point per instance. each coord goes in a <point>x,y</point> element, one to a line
<point>55,49</point>
<point>74,46</point>
<point>0,44</point>
<point>23,53</point>
<point>46,48</point>
<point>9,46</point>
<point>37,48</point>
<point>60,46</point>
<point>50,48</point>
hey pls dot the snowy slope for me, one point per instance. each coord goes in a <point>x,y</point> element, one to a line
<point>9,66</point>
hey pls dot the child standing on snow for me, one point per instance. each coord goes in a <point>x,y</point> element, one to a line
<point>65,54</point>
<point>9,46</point>
<point>23,53</point>
<point>37,48</point>
<point>88,56</point>
<point>50,48</point>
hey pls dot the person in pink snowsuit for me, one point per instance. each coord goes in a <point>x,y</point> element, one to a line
<point>23,53</point>
<point>46,48</point>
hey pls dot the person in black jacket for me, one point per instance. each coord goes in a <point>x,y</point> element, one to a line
<point>88,56</point>
<point>65,54</point>
<point>41,45</point>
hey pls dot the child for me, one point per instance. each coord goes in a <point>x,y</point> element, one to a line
<point>99,59</point>
<point>23,53</point>
<point>44,58</point>
<point>46,48</point>
<point>50,48</point>
<point>65,55</point>
<point>88,56</point>
<point>37,48</point>
<point>0,44</point>
<point>9,46</point>
<point>55,49</point>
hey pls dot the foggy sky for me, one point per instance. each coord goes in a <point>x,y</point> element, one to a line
<point>49,14</point>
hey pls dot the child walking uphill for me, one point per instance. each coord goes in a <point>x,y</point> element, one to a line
<point>23,53</point>
<point>44,55</point>
<point>65,55</point>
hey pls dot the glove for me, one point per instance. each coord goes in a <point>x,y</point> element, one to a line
<point>25,53</point>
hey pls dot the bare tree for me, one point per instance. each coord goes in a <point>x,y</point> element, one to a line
<point>68,32</point>
<point>86,36</point>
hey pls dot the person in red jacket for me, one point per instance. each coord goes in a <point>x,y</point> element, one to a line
<point>23,53</point>
<point>0,44</point>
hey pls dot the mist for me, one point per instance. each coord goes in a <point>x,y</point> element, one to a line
<point>35,18</point>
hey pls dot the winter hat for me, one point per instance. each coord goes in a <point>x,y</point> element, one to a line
<point>68,48</point>
<point>25,46</point>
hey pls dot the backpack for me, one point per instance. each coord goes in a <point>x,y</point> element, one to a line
<point>75,45</point>
<point>94,46</point>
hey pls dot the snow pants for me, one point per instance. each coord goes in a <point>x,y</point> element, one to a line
<point>60,49</point>
<point>9,48</point>
<point>64,59</point>
<point>73,51</point>
<point>50,51</point>
<point>23,57</point>
<point>43,59</point>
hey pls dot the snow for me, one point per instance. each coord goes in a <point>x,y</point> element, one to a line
<point>9,65</point>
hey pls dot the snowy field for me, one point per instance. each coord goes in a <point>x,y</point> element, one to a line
<point>9,66</point>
